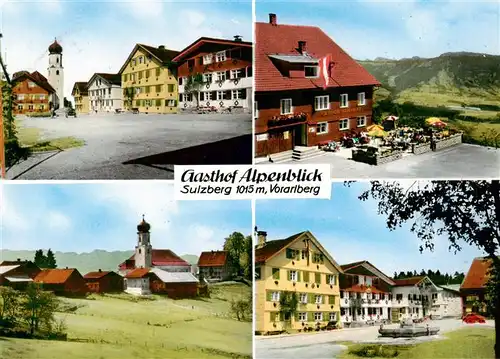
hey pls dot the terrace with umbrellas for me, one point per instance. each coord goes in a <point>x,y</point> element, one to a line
<point>388,142</point>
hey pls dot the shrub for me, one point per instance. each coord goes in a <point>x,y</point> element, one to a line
<point>39,114</point>
<point>374,351</point>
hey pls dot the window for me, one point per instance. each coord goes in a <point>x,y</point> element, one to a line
<point>317,258</point>
<point>238,94</point>
<point>42,97</point>
<point>19,107</point>
<point>221,56</point>
<point>133,62</point>
<point>220,95</point>
<point>158,88</point>
<point>261,137</point>
<point>181,80</point>
<point>368,281</point>
<point>276,273</point>
<point>221,76</point>
<point>57,72</point>
<point>170,88</point>
<point>302,316</point>
<point>158,102</point>
<point>303,298</point>
<point>318,316</point>
<point>333,317</point>
<point>20,97</point>
<point>361,121</point>
<point>132,77</point>
<point>140,75</point>
<point>147,73</point>
<point>331,279</point>
<point>140,59</point>
<point>147,89</point>
<point>321,103</point>
<point>286,106</point>
<point>148,103</point>
<point>344,100</point>
<point>207,59</point>
<point>42,107</point>
<point>292,253</point>
<point>255,110</point>
<point>318,299</point>
<point>170,103</point>
<point>275,297</point>
<point>317,278</point>
<point>158,72</point>
<point>311,71</point>
<point>293,275</point>
<point>344,124</point>
<point>30,107</point>
<point>31,84</point>
<point>236,73</point>
<point>207,78</point>
<point>109,91</point>
<point>321,128</point>
<point>361,99</point>
<point>206,96</point>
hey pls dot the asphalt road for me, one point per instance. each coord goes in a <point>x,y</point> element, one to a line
<point>463,161</point>
<point>325,345</point>
<point>115,145</point>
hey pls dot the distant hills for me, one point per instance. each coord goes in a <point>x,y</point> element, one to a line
<point>459,78</point>
<point>84,262</point>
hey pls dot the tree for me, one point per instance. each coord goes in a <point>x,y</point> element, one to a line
<point>129,93</point>
<point>39,308</point>
<point>289,303</point>
<point>247,261</point>
<point>193,86</point>
<point>50,259</point>
<point>9,308</point>
<point>463,211</point>
<point>40,259</point>
<point>234,245</point>
<point>242,308</point>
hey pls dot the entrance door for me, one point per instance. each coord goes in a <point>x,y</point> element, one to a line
<point>299,135</point>
<point>279,141</point>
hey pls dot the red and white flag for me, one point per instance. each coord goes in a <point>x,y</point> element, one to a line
<point>324,65</point>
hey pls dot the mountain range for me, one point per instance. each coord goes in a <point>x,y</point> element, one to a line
<point>84,262</point>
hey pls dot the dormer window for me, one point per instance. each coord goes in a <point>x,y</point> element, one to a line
<point>220,56</point>
<point>207,59</point>
<point>286,106</point>
<point>311,71</point>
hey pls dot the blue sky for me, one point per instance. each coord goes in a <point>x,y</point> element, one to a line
<point>396,29</point>
<point>351,231</point>
<point>84,217</point>
<point>98,36</point>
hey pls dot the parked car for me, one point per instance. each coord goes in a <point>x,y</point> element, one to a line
<point>70,112</point>
<point>473,318</point>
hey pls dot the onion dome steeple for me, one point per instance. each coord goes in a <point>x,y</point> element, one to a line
<point>55,48</point>
<point>144,226</point>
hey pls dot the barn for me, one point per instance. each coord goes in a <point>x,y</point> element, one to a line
<point>103,281</point>
<point>213,266</point>
<point>17,274</point>
<point>65,282</point>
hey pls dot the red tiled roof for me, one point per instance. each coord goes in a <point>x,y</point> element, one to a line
<point>160,257</point>
<point>272,247</point>
<point>36,77</point>
<point>212,259</point>
<point>360,288</point>
<point>351,265</point>
<point>283,40</point>
<point>54,276</point>
<point>96,275</point>
<point>408,281</point>
<point>477,276</point>
<point>39,76</point>
<point>203,40</point>
<point>137,273</point>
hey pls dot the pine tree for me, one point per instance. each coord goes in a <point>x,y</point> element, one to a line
<point>40,259</point>
<point>51,260</point>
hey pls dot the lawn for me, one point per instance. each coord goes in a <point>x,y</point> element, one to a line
<point>34,138</point>
<point>117,327</point>
<point>473,343</point>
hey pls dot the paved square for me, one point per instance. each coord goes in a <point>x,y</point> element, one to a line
<point>114,139</point>
<point>463,161</point>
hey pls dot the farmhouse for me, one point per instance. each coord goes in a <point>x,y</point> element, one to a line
<point>32,92</point>
<point>105,92</point>
<point>213,266</point>
<point>298,264</point>
<point>104,282</point>
<point>17,274</point>
<point>66,282</point>
<point>473,288</point>
<point>81,95</point>
<point>308,91</point>
<point>225,67</point>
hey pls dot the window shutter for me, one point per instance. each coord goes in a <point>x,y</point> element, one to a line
<point>242,73</point>
<point>296,317</point>
<point>228,75</point>
<point>323,299</point>
<point>227,95</point>
<point>310,316</point>
<point>306,276</point>
<point>298,276</point>
<point>273,316</point>
<point>288,253</point>
<point>318,278</point>
<point>243,96</point>
<point>249,71</point>
<point>332,299</point>
<point>289,275</point>
<point>311,298</point>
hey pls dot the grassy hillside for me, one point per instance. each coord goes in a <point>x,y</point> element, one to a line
<point>84,262</point>
<point>117,327</point>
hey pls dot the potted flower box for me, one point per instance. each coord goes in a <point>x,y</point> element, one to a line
<point>449,141</point>
<point>419,148</point>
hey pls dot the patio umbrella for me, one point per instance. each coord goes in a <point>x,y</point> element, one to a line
<point>376,131</point>
<point>392,118</point>
<point>374,127</point>
<point>435,122</point>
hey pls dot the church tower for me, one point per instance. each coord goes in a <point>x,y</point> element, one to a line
<point>56,73</point>
<point>143,249</point>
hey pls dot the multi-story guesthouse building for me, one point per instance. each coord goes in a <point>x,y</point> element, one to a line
<point>223,69</point>
<point>412,298</point>
<point>55,74</point>
<point>156,270</point>
<point>308,91</point>
<point>148,80</point>
<point>213,266</point>
<point>365,293</point>
<point>296,266</point>
<point>447,302</point>
<point>32,93</point>
<point>80,94</point>
<point>473,288</point>
<point>105,93</point>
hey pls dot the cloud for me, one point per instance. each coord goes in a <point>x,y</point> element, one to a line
<point>58,221</point>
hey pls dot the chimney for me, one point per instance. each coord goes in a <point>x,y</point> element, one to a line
<point>18,259</point>
<point>303,47</point>
<point>273,19</point>
<point>237,38</point>
<point>161,47</point>
<point>261,239</point>
<point>67,268</point>
<point>100,270</point>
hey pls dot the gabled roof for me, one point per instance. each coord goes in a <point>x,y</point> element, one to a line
<point>204,40</point>
<point>407,282</point>
<point>7,268</point>
<point>282,40</point>
<point>360,288</point>
<point>97,274</point>
<point>113,79</point>
<point>12,263</point>
<point>82,88</point>
<point>477,276</point>
<point>160,257</point>
<point>174,277</point>
<point>18,279</point>
<point>212,259</point>
<point>137,273</point>
<point>272,248</point>
<point>370,267</point>
<point>54,276</point>
<point>161,54</point>
<point>451,287</point>
<point>36,77</point>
